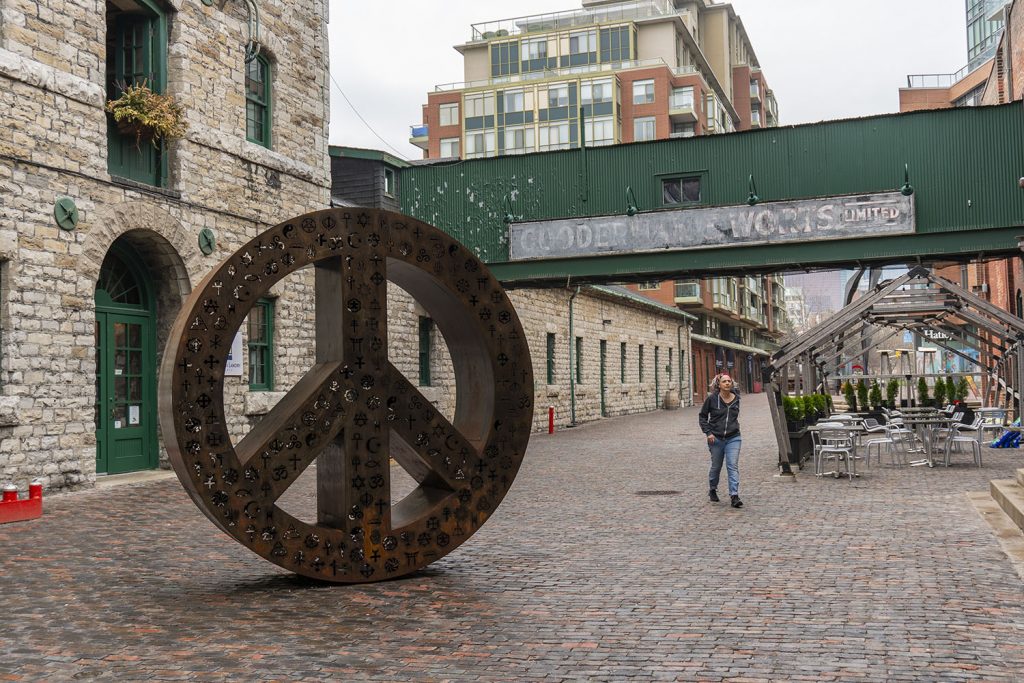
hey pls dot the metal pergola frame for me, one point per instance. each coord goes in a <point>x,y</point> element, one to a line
<point>916,301</point>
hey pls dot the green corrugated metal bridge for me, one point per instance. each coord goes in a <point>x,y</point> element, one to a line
<point>963,165</point>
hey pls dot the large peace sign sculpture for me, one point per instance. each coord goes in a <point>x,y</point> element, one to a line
<point>352,410</point>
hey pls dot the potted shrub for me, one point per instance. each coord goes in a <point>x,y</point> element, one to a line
<point>962,389</point>
<point>147,115</point>
<point>820,404</point>
<point>922,392</point>
<point>810,417</point>
<point>892,389</point>
<point>951,389</point>
<point>875,396</point>
<point>851,398</point>
<point>939,392</point>
<point>862,394</point>
<point>794,411</point>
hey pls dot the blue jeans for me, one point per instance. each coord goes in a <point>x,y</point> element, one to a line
<point>729,451</point>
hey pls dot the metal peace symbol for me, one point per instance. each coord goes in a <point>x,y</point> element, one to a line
<point>352,410</point>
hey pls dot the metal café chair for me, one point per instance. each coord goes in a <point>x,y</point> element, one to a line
<point>943,432</point>
<point>875,437</point>
<point>992,420</point>
<point>834,441</point>
<point>965,434</point>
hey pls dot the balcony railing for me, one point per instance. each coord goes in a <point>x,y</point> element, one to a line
<point>937,80</point>
<point>420,131</point>
<point>568,19</point>
<point>564,72</point>
<point>681,101</point>
<point>722,300</point>
<point>688,292</point>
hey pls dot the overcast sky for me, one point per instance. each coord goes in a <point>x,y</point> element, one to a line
<point>824,59</point>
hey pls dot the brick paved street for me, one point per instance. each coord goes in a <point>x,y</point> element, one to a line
<point>894,577</point>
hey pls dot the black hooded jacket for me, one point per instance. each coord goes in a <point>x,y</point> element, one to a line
<point>720,418</point>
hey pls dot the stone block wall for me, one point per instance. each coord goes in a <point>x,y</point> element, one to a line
<point>53,144</point>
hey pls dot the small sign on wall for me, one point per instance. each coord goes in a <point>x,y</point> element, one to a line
<point>233,365</point>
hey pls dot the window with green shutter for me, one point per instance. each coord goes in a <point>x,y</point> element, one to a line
<point>426,347</point>
<point>261,346</point>
<point>551,358</point>
<point>622,363</point>
<point>640,363</point>
<point>257,101</point>
<point>136,55</point>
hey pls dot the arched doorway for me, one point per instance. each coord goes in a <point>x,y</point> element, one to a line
<point>125,364</point>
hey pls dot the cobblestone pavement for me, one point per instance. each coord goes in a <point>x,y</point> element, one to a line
<point>894,577</point>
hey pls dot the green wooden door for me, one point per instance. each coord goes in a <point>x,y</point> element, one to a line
<point>125,369</point>
<point>604,363</point>
<point>136,54</point>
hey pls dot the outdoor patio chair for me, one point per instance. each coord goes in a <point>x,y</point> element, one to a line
<point>939,433</point>
<point>904,435</point>
<point>834,442</point>
<point>878,436</point>
<point>969,437</point>
<point>992,420</point>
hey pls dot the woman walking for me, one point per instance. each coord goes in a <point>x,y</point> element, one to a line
<point>719,420</point>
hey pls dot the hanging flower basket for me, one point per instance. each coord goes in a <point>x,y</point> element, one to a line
<point>136,130</point>
<point>146,115</point>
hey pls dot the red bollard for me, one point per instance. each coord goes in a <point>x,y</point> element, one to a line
<point>551,419</point>
<point>14,510</point>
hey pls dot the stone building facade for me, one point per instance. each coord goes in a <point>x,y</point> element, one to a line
<point>101,235</point>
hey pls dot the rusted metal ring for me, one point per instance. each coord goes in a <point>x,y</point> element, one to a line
<point>353,409</point>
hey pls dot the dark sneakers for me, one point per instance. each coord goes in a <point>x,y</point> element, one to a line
<point>736,502</point>
<point>713,495</point>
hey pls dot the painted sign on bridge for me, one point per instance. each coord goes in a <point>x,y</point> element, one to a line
<point>889,213</point>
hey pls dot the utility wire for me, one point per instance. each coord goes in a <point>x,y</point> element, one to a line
<point>368,126</point>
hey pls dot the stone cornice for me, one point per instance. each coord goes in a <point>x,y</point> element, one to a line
<point>235,145</point>
<point>39,75</point>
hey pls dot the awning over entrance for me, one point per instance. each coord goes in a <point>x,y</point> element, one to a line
<point>728,345</point>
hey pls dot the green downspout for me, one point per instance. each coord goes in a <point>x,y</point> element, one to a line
<point>679,353</point>
<point>572,363</point>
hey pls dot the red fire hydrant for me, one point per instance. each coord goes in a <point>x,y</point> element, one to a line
<point>14,510</point>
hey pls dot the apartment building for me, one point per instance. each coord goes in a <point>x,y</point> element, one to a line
<point>978,81</point>
<point>606,73</point>
<point>739,322</point>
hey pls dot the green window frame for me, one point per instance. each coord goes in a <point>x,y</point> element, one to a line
<point>260,328</point>
<point>426,347</point>
<point>669,364</point>
<point>257,101</point>
<point>551,358</point>
<point>579,360</point>
<point>640,362</point>
<point>622,362</point>
<point>681,190</point>
<point>136,35</point>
